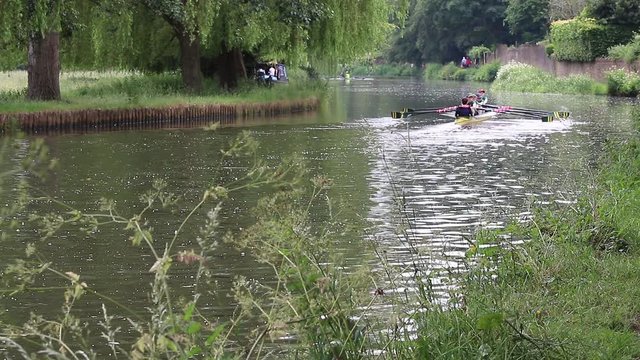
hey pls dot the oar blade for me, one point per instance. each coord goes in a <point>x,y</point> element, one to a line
<point>548,118</point>
<point>396,114</point>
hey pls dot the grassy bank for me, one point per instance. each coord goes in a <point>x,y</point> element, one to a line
<point>570,292</point>
<point>451,71</point>
<point>526,78</point>
<point>118,90</point>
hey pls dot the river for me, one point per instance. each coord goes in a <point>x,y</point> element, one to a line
<point>453,181</point>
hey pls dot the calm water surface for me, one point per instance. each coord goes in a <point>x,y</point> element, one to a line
<point>453,181</point>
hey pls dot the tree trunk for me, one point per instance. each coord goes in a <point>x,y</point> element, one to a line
<point>231,65</point>
<point>190,62</point>
<point>43,72</point>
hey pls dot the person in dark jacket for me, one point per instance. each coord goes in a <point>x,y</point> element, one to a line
<point>464,110</point>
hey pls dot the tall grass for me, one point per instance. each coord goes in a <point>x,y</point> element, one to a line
<point>526,78</point>
<point>107,90</point>
<point>451,71</point>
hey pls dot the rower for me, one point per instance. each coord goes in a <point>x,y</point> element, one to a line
<point>464,110</point>
<point>473,104</point>
<point>481,97</point>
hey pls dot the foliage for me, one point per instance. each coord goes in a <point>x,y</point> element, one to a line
<point>451,71</point>
<point>628,52</point>
<point>584,39</point>
<point>526,78</point>
<point>615,12</point>
<point>432,71</point>
<point>479,52</point>
<point>441,31</point>
<point>623,83</point>
<point>528,20</point>
<point>174,328</point>
<point>487,72</point>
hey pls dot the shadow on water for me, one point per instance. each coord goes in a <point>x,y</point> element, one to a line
<point>453,181</point>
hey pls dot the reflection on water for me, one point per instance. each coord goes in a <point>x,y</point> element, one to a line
<point>452,180</point>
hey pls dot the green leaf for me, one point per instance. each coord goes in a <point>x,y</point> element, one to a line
<point>188,312</point>
<point>214,335</point>
<point>194,327</point>
<point>490,321</point>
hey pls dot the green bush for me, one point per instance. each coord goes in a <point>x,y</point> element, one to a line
<point>623,83</point>
<point>629,52</point>
<point>526,78</point>
<point>486,72</point>
<point>584,39</point>
<point>459,74</point>
<point>447,72</point>
<point>549,49</point>
<point>432,71</point>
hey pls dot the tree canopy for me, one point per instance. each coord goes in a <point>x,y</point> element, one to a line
<point>443,30</point>
<point>528,20</point>
<point>616,12</point>
<point>159,35</point>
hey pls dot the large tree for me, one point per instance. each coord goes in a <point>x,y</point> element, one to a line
<point>528,20</point>
<point>191,21</point>
<point>616,12</point>
<point>35,25</point>
<point>442,30</point>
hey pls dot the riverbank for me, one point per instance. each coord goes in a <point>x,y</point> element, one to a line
<point>94,100</point>
<point>569,292</point>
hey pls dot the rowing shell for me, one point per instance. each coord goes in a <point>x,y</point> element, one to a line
<point>476,119</point>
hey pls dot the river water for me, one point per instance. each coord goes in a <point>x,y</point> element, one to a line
<point>452,180</point>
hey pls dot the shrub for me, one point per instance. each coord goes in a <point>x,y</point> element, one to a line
<point>584,39</point>
<point>487,72</point>
<point>526,78</point>
<point>459,74</point>
<point>447,72</point>
<point>432,71</point>
<point>622,83</point>
<point>629,52</point>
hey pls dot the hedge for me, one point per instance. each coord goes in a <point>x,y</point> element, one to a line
<point>584,39</point>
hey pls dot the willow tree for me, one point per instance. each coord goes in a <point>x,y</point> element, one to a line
<point>191,21</point>
<point>317,32</point>
<point>35,25</point>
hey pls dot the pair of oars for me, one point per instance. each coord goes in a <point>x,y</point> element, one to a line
<point>546,116</point>
<point>406,112</point>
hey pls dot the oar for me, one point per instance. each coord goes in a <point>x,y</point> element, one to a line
<point>421,109</point>
<point>558,114</point>
<point>545,117</point>
<point>409,112</point>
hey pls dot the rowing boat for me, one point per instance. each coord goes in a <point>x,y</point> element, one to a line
<point>469,120</point>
